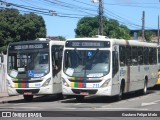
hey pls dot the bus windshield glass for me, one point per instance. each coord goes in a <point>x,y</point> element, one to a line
<point>86,63</point>
<point>28,63</point>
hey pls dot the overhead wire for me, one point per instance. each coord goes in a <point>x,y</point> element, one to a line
<point>76,11</point>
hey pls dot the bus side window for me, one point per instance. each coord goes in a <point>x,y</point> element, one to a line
<point>146,55</point>
<point>140,55</point>
<point>134,56</point>
<point>115,62</point>
<point>122,55</point>
<point>158,55</point>
<point>155,55</point>
<point>128,55</point>
<point>2,58</point>
<point>56,58</point>
<point>152,56</point>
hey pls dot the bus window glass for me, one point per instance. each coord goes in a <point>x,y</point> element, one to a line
<point>134,56</point>
<point>128,55</point>
<point>151,56</point>
<point>26,61</point>
<point>140,55</point>
<point>146,55</point>
<point>56,58</point>
<point>122,55</point>
<point>86,63</point>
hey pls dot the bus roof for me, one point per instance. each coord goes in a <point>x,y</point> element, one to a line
<point>36,41</point>
<point>117,41</point>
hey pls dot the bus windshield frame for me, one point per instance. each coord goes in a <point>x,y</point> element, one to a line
<point>28,62</point>
<point>86,63</point>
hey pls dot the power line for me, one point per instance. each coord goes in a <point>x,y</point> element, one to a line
<point>74,8</point>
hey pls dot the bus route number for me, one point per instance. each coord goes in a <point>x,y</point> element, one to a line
<point>95,85</point>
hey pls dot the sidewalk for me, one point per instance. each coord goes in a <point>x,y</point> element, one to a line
<point>3,94</point>
<point>5,98</point>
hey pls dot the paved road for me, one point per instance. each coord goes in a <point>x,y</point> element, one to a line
<point>95,105</point>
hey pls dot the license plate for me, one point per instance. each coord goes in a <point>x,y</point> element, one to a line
<point>27,93</point>
<point>84,93</point>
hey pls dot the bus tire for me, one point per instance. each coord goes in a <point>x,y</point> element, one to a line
<point>28,98</point>
<point>80,98</point>
<point>120,95</point>
<point>144,91</point>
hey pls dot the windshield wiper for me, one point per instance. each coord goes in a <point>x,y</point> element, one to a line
<point>77,53</point>
<point>94,54</point>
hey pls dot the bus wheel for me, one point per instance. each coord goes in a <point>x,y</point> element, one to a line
<point>28,98</point>
<point>144,91</point>
<point>80,98</point>
<point>120,95</point>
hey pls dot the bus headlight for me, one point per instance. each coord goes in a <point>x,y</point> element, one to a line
<point>105,84</point>
<point>9,84</point>
<point>46,83</point>
<point>64,82</point>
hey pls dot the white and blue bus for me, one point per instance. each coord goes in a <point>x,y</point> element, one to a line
<point>34,68</point>
<point>107,67</point>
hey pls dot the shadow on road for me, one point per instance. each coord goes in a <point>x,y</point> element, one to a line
<point>91,99</point>
<point>104,99</point>
<point>45,98</point>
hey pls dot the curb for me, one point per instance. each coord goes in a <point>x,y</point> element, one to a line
<point>3,102</point>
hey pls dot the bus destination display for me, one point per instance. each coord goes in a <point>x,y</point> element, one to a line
<point>27,46</point>
<point>85,44</point>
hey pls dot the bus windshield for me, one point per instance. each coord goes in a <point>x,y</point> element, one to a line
<point>28,63</point>
<point>86,63</point>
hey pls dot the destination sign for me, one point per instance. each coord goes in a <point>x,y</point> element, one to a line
<point>19,47</point>
<point>86,44</point>
<point>27,46</point>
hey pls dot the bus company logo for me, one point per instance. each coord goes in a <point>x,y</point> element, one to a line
<point>6,114</point>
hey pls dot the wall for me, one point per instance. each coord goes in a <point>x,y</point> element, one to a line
<point>3,69</point>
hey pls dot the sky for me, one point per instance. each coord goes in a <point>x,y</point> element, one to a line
<point>61,16</point>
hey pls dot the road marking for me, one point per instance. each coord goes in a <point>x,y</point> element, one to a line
<point>78,104</point>
<point>150,103</point>
<point>105,106</point>
<point>68,108</point>
<point>20,104</point>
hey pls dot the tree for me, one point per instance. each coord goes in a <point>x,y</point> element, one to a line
<point>61,38</point>
<point>88,26</point>
<point>17,27</point>
<point>148,34</point>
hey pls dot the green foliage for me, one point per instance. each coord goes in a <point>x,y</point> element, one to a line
<point>61,38</point>
<point>88,26</point>
<point>17,27</point>
<point>148,34</point>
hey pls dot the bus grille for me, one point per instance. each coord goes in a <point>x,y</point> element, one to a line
<point>27,81</point>
<point>78,91</point>
<point>22,91</point>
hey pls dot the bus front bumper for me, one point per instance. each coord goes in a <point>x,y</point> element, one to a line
<point>32,91</point>
<point>87,91</point>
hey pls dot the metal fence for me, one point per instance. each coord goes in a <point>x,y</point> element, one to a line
<point>3,70</point>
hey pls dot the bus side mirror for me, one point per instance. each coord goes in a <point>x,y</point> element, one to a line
<point>2,58</point>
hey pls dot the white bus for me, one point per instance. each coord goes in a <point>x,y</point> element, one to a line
<point>107,67</point>
<point>34,67</point>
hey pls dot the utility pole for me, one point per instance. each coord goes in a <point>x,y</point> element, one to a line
<point>158,30</point>
<point>100,31</point>
<point>143,23</point>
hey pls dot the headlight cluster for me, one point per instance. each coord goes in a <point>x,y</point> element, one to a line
<point>105,84</point>
<point>64,82</point>
<point>46,83</point>
<point>9,84</point>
